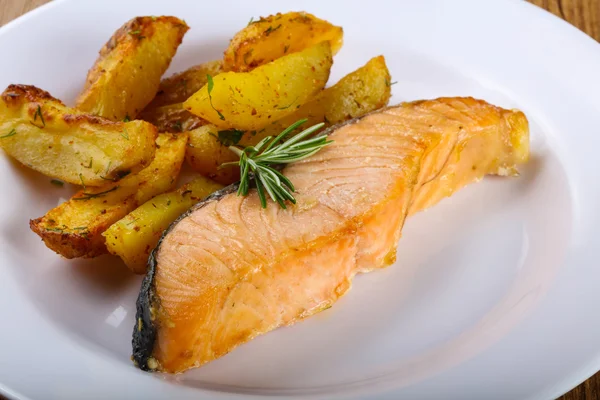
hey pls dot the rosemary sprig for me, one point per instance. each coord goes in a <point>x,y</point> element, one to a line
<point>137,33</point>
<point>12,132</point>
<point>82,182</point>
<point>255,162</point>
<point>88,196</point>
<point>270,30</point>
<point>90,164</point>
<point>38,113</point>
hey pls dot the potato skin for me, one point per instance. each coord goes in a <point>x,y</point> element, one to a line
<point>179,87</point>
<point>171,118</point>
<point>277,35</point>
<point>42,133</point>
<point>74,228</point>
<point>358,93</point>
<point>166,110</point>
<point>133,237</point>
<point>251,100</point>
<point>127,73</point>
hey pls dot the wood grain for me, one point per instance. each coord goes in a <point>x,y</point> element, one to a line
<point>11,9</point>
<point>584,14</point>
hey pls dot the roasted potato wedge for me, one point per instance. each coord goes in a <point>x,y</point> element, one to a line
<point>133,237</point>
<point>250,100</point>
<point>74,228</point>
<point>179,87</point>
<point>42,133</point>
<point>205,153</point>
<point>171,118</point>
<point>273,37</point>
<point>127,73</point>
<point>360,92</point>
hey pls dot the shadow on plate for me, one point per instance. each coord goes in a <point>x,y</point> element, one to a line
<point>91,300</point>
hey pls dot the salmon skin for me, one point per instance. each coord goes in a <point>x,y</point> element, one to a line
<point>228,270</point>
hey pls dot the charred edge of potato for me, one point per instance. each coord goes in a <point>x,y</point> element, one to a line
<point>16,95</point>
<point>148,304</point>
<point>71,245</point>
<point>142,26</point>
<point>172,118</point>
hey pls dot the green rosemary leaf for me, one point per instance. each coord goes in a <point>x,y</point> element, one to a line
<point>230,137</point>
<point>88,196</point>
<point>256,162</point>
<point>12,132</point>
<point>38,113</point>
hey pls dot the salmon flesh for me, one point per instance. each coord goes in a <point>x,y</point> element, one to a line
<point>228,270</point>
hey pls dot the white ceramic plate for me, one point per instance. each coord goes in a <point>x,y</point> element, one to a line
<point>495,294</point>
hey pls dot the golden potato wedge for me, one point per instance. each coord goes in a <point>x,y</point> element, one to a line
<point>74,228</point>
<point>133,237</point>
<point>250,100</point>
<point>273,37</point>
<point>360,92</point>
<point>127,73</point>
<point>205,153</point>
<point>179,87</point>
<point>171,118</point>
<point>84,149</point>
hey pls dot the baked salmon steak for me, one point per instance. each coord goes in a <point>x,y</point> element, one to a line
<point>229,270</point>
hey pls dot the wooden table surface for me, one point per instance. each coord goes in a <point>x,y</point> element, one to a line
<point>584,14</point>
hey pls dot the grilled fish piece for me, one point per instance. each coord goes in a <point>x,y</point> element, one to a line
<point>228,270</point>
